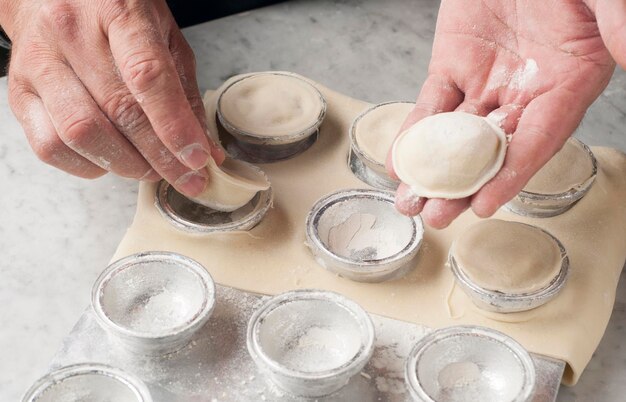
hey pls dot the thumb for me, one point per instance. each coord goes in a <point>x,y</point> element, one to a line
<point>611,19</point>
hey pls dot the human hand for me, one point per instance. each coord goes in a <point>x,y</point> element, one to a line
<point>534,67</point>
<point>108,86</point>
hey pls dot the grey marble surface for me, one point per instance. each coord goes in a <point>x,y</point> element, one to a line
<point>58,232</point>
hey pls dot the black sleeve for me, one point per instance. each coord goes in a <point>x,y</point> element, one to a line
<point>188,13</point>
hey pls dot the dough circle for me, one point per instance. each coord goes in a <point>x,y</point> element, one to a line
<point>375,130</point>
<point>569,169</point>
<point>449,155</point>
<point>508,257</point>
<point>272,105</point>
<point>231,185</point>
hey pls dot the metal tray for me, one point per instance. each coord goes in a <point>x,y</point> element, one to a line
<point>216,366</point>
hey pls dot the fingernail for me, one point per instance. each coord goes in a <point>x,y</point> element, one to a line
<point>194,156</point>
<point>151,175</point>
<point>191,184</point>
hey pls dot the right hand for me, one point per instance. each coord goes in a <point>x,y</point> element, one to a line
<point>538,65</point>
<point>108,86</point>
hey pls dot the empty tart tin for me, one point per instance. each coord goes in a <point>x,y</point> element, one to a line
<point>310,342</point>
<point>371,136</point>
<point>253,140</point>
<point>469,363</point>
<point>190,216</point>
<point>501,302</point>
<point>360,235</point>
<point>88,382</point>
<point>535,202</point>
<point>153,302</point>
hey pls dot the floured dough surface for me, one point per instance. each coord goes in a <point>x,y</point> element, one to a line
<point>231,185</point>
<point>569,169</point>
<point>272,105</point>
<point>376,130</point>
<point>272,258</point>
<point>508,257</point>
<point>449,155</point>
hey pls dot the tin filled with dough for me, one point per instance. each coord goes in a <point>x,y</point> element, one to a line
<point>88,382</point>
<point>310,342</point>
<point>271,116</point>
<point>360,235</point>
<point>153,302</point>
<point>372,134</point>
<point>191,216</point>
<point>560,184</point>
<point>469,363</point>
<point>508,267</point>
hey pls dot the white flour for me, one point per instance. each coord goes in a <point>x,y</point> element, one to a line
<point>522,77</point>
<point>159,312</point>
<point>319,349</point>
<point>458,374</point>
<point>359,238</point>
<point>519,79</point>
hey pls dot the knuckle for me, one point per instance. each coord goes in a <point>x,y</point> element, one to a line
<point>125,113</point>
<point>142,69</point>
<point>77,130</point>
<point>19,92</point>
<point>47,148</point>
<point>62,17</point>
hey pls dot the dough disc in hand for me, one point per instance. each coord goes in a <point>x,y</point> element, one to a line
<point>449,155</point>
<point>508,257</point>
<point>231,185</point>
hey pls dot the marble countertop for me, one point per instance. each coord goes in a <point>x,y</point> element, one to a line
<point>57,232</point>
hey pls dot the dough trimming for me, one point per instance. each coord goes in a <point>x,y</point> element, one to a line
<point>231,185</point>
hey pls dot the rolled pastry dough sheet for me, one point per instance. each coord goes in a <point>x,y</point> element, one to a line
<point>272,258</point>
<point>569,168</point>
<point>508,257</point>
<point>271,105</point>
<point>377,129</point>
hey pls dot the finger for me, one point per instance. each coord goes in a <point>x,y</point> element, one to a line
<point>407,202</point>
<point>438,94</point>
<point>611,18</point>
<point>42,136</point>
<point>439,213</point>
<point>545,125</point>
<point>506,117</point>
<point>474,107</point>
<point>146,66</point>
<point>126,114</point>
<point>185,63</point>
<point>83,127</point>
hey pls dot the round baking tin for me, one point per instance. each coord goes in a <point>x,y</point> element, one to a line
<point>335,209</point>
<point>190,216</point>
<point>310,342</point>
<point>153,302</point>
<point>500,302</point>
<point>469,363</point>
<point>362,165</point>
<point>266,149</point>
<point>536,205</point>
<point>88,382</point>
